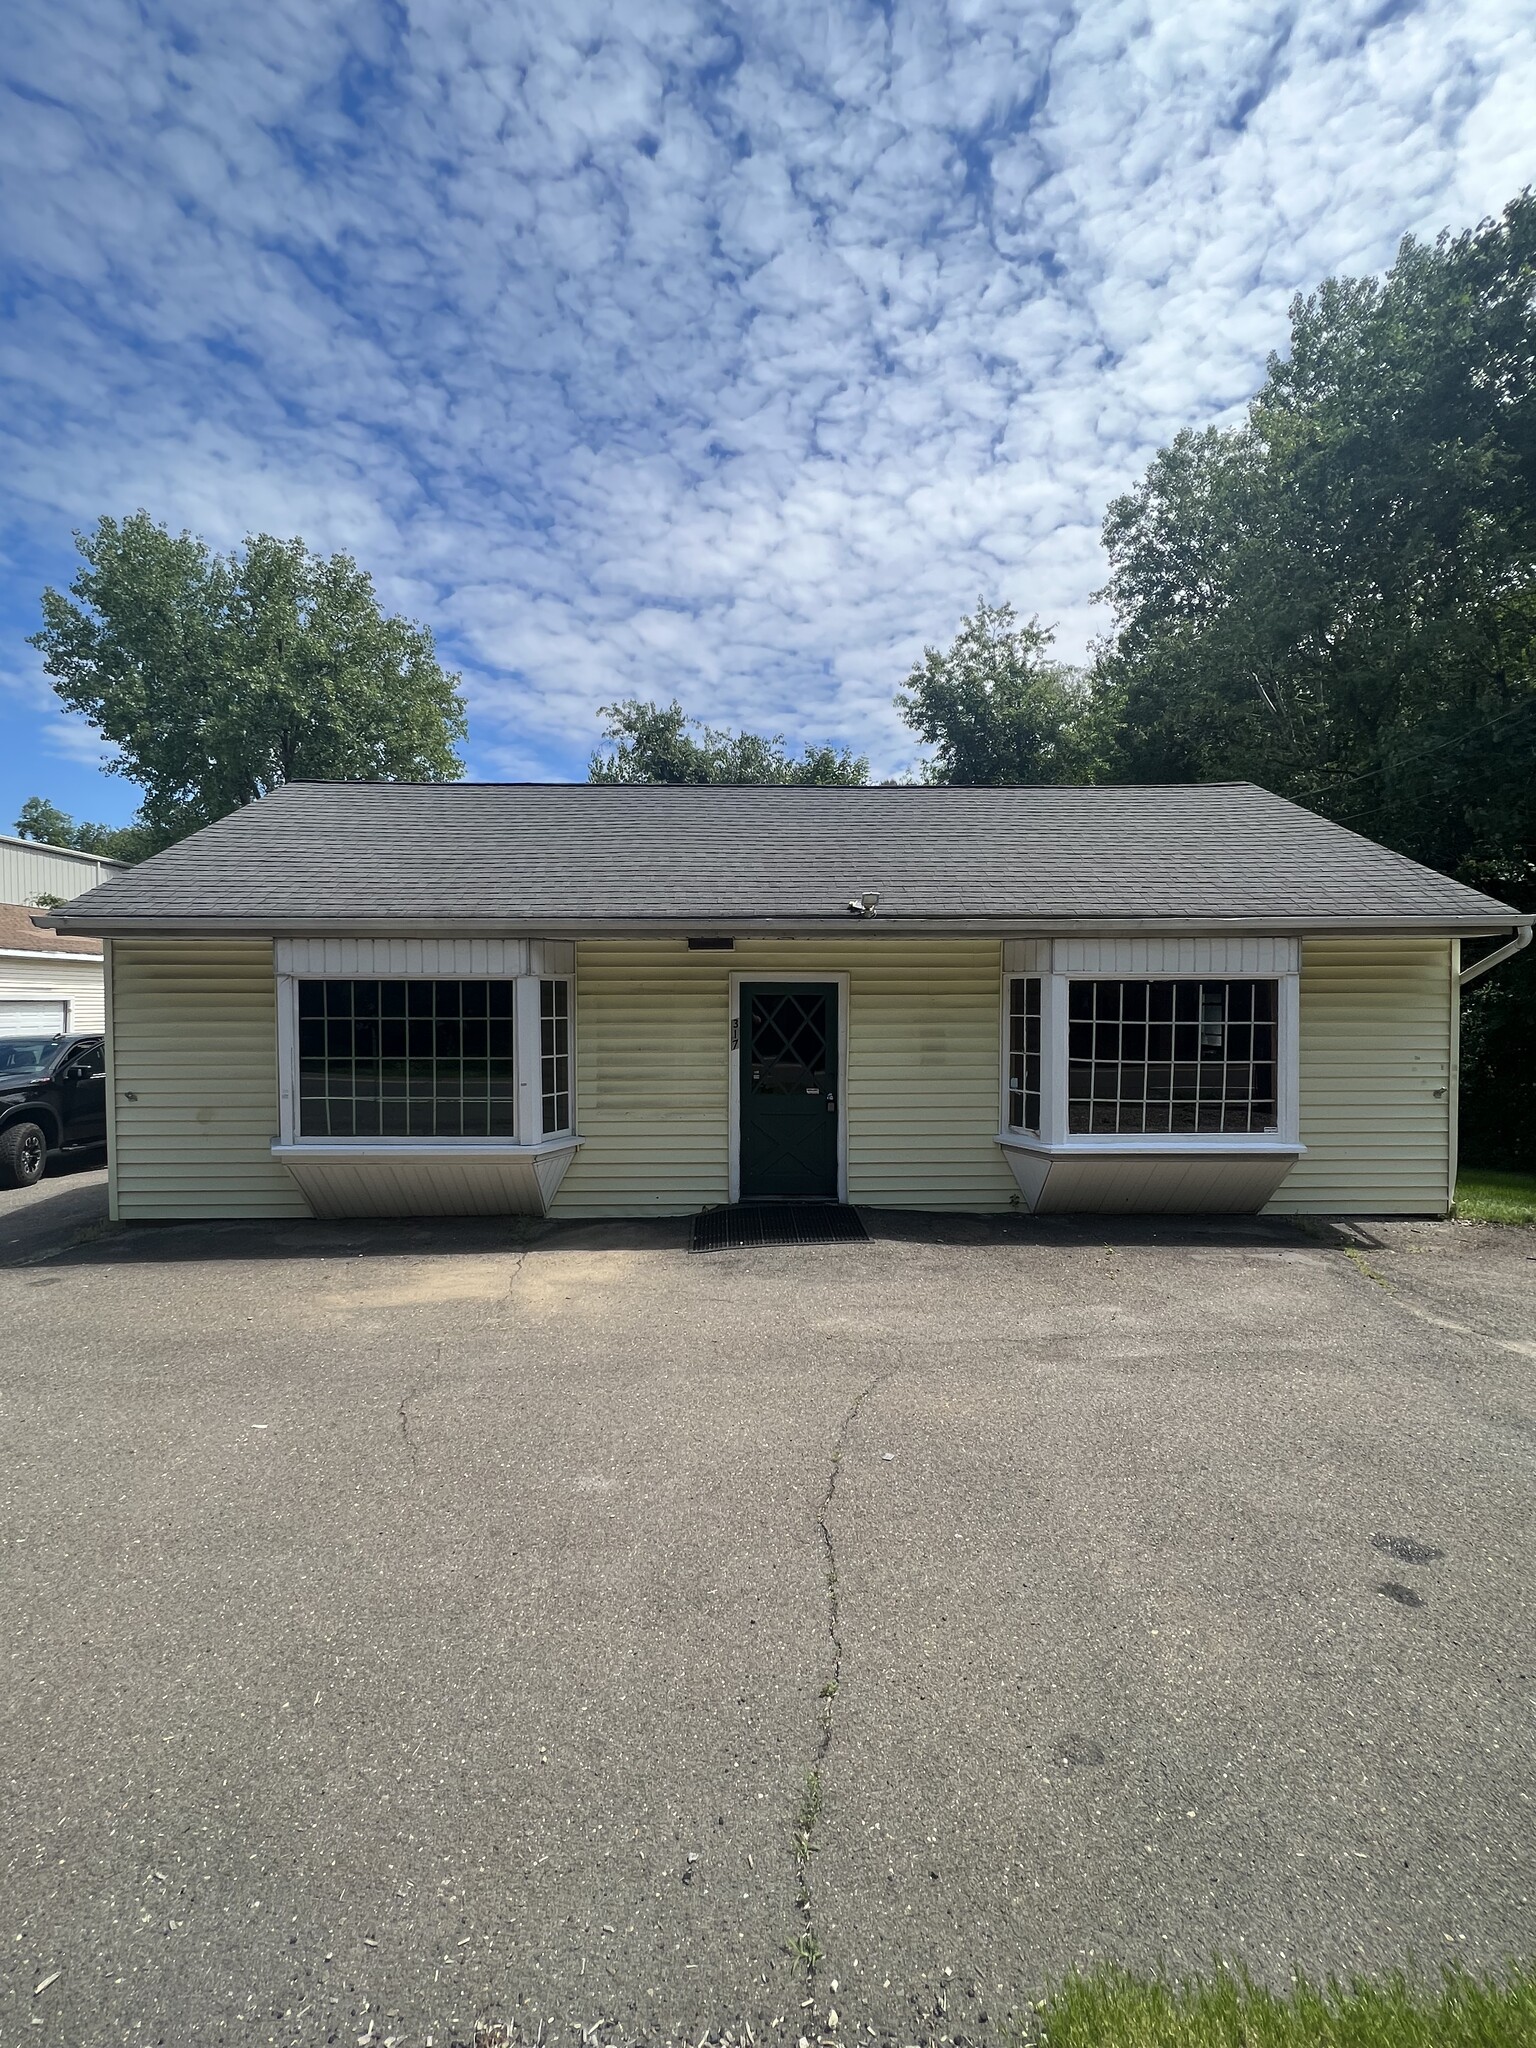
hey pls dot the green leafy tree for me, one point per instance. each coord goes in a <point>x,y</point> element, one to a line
<point>1337,597</point>
<point>656,743</point>
<point>39,819</point>
<point>218,677</point>
<point>996,707</point>
<point>42,820</point>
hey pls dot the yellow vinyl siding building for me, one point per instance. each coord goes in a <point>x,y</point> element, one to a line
<point>653,1070</point>
<point>581,1001</point>
<point>194,1079</point>
<point>1378,1080</point>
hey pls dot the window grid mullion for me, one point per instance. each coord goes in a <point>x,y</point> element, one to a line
<point>419,1090</point>
<point>1133,1092</point>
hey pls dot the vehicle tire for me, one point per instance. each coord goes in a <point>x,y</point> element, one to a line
<point>23,1155</point>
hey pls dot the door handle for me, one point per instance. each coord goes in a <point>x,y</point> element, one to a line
<point>831,1100</point>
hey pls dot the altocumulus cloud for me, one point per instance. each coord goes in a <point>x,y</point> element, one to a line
<point>660,348</point>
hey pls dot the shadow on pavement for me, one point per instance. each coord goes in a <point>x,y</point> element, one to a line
<point>71,1228</point>
<point>66,1207</point>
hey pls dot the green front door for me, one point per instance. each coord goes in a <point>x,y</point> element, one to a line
<point>788,1091</point>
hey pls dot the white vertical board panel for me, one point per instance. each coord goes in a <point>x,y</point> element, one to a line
<point>455,959</point>
<point>551,956</point>
<point>194,1071</point>
<point>471,1185</point>
<point>1235,953</point>
<point>1122,1184</point>
<point>1377,1091</point>
<point>1026,956</point>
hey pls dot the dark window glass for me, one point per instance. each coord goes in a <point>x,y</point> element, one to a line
<point>1204,1059</point>
<point>555,1054</point>
<point>88,1060</point>
<point>398,1059</point>
<point>1024,1054</point>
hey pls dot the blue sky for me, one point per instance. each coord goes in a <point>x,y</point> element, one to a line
<point>666,349</point>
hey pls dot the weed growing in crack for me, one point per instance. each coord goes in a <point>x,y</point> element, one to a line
<point>804,1947</point>
<point>1361,1264</point>
<point>807,1820</point>
<point>806,1950</point>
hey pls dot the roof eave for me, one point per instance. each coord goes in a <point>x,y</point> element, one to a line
<point>1497,918</point>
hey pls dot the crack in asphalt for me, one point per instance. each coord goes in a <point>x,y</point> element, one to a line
<point>805,1826</point>
<point>1519,1348</point>
<point>829,1552</point>
<point>402,1411</point>
<point>405,1424</point>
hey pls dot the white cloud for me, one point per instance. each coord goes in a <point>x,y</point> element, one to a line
<point>655,349</point>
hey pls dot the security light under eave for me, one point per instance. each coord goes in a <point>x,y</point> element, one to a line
<point>863,905</point>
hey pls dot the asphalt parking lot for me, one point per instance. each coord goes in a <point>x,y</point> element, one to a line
<point>414,1625</point>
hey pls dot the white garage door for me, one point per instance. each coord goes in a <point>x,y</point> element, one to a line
<point>28,1018</point>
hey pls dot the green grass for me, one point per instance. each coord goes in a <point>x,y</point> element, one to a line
<point>1115,2010</point>
<point>1485,1197</point>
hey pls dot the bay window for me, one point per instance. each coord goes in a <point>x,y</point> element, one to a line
<point>555,1056</point>
<point>418,1045</point>
<point>1024,1055</point>
<point>1150,1045</point>
<point>1171,1056</point>
<point>406,1059</point>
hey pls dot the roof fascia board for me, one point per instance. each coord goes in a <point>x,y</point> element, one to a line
<point>869,928</point>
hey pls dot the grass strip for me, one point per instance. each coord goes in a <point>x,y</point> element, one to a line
<point>1113,2009</point>
<point>1488,1197</point>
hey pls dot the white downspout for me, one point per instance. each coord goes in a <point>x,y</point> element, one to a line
<point>1517,944</point>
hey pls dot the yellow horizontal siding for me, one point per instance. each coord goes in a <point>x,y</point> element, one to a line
<point>1376,1044</point>
<point>193,1037</point>
<point>653,1052</point>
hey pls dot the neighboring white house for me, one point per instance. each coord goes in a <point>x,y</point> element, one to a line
<point>385,998</point>
<point>48,982</point>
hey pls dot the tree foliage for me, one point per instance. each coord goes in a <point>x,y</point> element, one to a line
<point>218,677</point>
<point>996,707</point>
<point>1337,598</point>
<point>41,820</point>
<point>656,743</point>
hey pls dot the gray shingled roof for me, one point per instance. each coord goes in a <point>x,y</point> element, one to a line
<point>568,857</point>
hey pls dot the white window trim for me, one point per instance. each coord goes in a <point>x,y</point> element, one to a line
<point>537,1135</point>
<point>733,1070</point>
<point>1056,1141</point>
<point>529,1141</point>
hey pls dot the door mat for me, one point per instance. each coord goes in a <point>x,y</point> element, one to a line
<point>749,1223</point>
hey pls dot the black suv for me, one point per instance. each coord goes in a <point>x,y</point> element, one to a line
<point>53,1097</point>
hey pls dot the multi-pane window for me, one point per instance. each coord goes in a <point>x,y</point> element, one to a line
<point>1149,1056</point>
<point>555,1054</point>
<point>406,1059</point>
<point>1024,1055</point>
